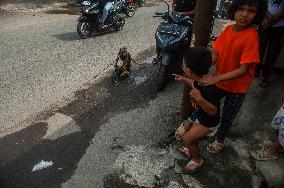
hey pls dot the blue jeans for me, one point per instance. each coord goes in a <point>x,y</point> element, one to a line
<point>232,106</point>
<point>107,7</point>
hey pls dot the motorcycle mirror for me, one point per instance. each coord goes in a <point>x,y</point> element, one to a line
<point>167,5</point>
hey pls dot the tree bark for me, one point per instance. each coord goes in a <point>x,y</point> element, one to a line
<point>203,21</point>
<point>202,28</point>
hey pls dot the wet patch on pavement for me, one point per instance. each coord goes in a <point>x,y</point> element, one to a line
<point>70,36</point>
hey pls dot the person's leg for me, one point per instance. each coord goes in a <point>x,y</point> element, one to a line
<point>190,140</point>
<point>262,33</point>
<point>232,105</point>
<point>273,48</point>
<point>107,7</point>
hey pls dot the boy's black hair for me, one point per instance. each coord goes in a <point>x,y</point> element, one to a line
<point>262,7</point>
<point>198,59</point>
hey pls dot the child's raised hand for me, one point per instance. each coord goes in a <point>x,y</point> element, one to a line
<point>195,93</point>
<point>209,79</point>
<point>178,77</point>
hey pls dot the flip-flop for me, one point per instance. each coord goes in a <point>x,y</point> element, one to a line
<point>181,130</point>
<point>197,166</point>
<point>185,152</point>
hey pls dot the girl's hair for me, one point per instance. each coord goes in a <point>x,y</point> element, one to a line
<point>261,4</point>
<point>198,59</point>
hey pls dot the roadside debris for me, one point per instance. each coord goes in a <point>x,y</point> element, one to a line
<point>42,165</point>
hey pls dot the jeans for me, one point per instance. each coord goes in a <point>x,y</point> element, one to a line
<point>232,105</point>
<point>107,7</point>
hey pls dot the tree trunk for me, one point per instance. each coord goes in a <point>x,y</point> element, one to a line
<point>202,28</point>
<point>203,21</point>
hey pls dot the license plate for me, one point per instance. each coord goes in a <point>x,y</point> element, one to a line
<point>86,3</point>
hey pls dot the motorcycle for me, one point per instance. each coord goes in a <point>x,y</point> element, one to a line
<point>127,9</point>
<point>172,38</point>
<point>90,20</point>
<point>140,3</point>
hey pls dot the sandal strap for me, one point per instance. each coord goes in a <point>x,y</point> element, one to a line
<point>185,151</point>
<point>191,162</point>
<point>215,146</point>
<point>195,164</point>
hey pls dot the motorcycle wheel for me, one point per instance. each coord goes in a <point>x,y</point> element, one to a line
<point>141,3</point>
<point>119,23</point>
<point>162,77</point>
<point>84,29</point>
<point>130,12</point>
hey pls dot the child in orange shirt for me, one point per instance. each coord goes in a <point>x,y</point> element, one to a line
<point>235,53</point>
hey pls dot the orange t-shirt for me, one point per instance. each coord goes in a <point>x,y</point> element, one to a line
<point>235,49</point>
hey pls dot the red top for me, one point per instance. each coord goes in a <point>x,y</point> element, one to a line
<point>235,49</point>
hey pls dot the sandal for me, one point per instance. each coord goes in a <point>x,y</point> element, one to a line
<point>262,155</point>
<point>215,147</point>
<point>184,151</point>
<point>193,167</point>
<point>181,130</point>
<point>262,83</point>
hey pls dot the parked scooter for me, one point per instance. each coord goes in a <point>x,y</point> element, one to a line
<point>127,9</point>
<point>172,38</point>
<point>90,20</point>
<point>139,3</point>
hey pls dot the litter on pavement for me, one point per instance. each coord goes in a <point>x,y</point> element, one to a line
<point>42,165</point>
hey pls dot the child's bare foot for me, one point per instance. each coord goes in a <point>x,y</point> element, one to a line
<point>263,155</point>
<point>274,148</point>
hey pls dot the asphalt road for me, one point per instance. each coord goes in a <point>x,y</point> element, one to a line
<point>108,135</point>
<point>117,136</point>
<point>44,61</point>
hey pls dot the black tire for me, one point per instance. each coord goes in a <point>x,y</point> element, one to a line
<point>84,29</point>
<point>141,3</point>
<point>162,77</point>
<point>119,23</point>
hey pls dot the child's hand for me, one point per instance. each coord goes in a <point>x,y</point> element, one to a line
<point>209,80</point>
<point>178,77</point>
<point>195,93</point>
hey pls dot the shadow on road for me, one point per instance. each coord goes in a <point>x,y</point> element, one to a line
<point>70,36</point>
<point>71,10</point>
<point>73,36</point>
